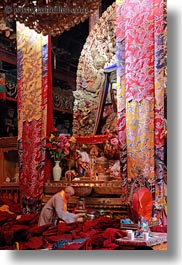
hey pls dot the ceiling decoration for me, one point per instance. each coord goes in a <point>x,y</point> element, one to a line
<point>6,29</point>
<point>48,16</point>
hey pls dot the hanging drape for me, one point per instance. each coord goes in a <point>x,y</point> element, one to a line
<point>141,53</point>
<point>34,92</point>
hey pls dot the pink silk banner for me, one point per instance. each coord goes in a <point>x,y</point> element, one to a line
<point>141,55</point>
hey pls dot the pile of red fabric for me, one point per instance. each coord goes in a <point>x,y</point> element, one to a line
<point>159,228</point>
<point>99,233</point>
<point>21,232</point>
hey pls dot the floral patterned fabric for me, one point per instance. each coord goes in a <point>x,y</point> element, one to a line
<point>32,68</point>
<point>141,79</point>
<point>140,138</point>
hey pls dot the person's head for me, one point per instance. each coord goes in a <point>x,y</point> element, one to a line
<point>69,191</point>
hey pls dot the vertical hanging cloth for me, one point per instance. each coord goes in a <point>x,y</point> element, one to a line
<point>49,116</point>
<point>140,59</point>
<point>32,70</point>
<point>121,99</point>
<point>139,78</point>
<point>160,58</point>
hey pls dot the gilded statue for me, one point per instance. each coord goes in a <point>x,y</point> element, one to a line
<point>98,52</point>
<point>98,62</point>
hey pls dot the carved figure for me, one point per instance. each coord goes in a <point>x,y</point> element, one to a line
<point>96,54</point>
<point>111,124</point>
<point>99,62</point>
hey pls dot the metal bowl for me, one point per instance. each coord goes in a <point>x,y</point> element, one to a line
<point>90,216</point>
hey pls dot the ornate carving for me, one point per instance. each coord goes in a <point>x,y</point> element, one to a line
<point>11,89</point>
<point>62,99</point>
<point>60,15</point>
<point>111,124</point>
<point>98,52</point>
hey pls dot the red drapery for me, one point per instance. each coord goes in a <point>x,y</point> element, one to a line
<point>48,164</point>
<point>34,113</point>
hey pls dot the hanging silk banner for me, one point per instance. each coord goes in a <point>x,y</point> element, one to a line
<point>160,58</point>
<point>140,42</point>
<point>32,71</point>
<point>139,75</point>
<point>140,139</point>
<point>121,99</point>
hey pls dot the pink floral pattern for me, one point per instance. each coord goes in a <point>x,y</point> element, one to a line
<point>141,74</point>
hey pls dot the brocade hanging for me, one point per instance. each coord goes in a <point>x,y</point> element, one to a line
<point>141,69</point>
<point>32,67</point>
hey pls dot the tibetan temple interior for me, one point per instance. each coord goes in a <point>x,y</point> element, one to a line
<point>83,125</point>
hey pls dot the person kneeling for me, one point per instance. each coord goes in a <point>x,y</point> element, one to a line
<point>56,209</point>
